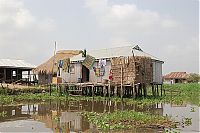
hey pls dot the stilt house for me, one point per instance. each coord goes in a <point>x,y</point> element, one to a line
<point>123,65</point>
<point>12,70</point>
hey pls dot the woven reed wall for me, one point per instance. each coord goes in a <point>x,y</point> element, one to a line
<point>134,70</point>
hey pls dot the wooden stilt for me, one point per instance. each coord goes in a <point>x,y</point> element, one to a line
<point>109,89</point>
<point>93,91</point>
<point>50,89</point>
<point>145,90</point>
<point>121,82</point>
<point>133,91</point>
<point>104,90</point>
<point>115,91</point>
<point>153,90</point>
<point>157,91</point>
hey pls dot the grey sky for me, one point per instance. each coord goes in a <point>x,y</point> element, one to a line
<point>167,29</point>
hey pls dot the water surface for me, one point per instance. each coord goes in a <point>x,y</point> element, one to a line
<point>64,116</point>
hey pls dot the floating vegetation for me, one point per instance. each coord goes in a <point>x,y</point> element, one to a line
<point>187,121</point>
<point>127,120</point>
<point>3,114</point>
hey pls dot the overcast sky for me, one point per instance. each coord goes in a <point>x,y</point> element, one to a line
<point>167,29</point>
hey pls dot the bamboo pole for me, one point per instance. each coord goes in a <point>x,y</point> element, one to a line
<point>121,81</point>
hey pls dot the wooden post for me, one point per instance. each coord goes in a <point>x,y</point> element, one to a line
<point>93,91</point>
<point>133,90</point>
<point>4,74</point>
<point>121,82</point>
<point>109,90</point>
<point>145,90</point>
<point>28,77</point>
<point>153,89</point>
<point>104,90</point>
<point>161,89</point>
<point>157,91</point>
<point>50,90</point>
<point>115,90</point>
<point>59,89</point>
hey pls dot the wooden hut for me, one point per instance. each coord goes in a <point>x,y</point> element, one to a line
<point>12,70</point>
<point>49,69</point>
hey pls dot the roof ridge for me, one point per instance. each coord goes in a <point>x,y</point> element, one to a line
<point>111,48</point>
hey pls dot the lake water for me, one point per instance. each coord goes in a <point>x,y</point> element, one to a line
<point>64,116</point>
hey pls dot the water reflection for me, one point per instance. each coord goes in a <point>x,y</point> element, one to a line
<point>64,116</point>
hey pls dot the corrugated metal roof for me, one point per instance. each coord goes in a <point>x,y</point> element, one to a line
<point>114,52</point>
<point>13,63</point>
<point>176,75</point>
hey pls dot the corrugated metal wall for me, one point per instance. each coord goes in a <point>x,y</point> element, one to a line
<point>72,77</point>
<point>157,72</point>
<point>94,78</point>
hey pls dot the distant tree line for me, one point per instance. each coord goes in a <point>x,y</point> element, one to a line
<point>193,78</point>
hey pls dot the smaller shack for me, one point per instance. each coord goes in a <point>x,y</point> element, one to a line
<point>175,77</point>
<point>47,70</point>
<point>13,70</point>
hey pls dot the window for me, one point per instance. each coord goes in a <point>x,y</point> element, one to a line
<point>14,73</point>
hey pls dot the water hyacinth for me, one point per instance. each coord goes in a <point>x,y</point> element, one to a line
<point>126,120</point>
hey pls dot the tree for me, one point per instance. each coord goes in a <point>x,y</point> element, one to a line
<point>193,78</point>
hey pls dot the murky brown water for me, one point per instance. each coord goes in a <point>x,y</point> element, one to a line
<point>64,116</point>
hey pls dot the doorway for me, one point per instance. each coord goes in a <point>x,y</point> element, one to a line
<point>85,74</point>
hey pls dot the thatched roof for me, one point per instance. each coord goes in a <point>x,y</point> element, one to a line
<point>48,65</point>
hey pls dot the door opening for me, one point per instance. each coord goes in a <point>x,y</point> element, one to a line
<point>85,74</point>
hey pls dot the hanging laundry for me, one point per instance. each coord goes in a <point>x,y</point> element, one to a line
<point>102,70</point>
<point>97,72</point>
<point>102,62</point>
<point>88,61</point>
<point>60,63</point>
<point>66,64</point>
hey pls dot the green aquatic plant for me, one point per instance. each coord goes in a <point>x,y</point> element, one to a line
<point>3,114</point>
<point>126,120</point>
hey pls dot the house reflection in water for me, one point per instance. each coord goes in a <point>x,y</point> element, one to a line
<point>64,116</point>
<point>19,112</point>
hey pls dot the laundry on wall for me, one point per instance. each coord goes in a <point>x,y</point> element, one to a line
<point>66,64</point>
<point>100,68</point>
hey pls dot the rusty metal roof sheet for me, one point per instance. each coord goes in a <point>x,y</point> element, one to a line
<point>176,75</point>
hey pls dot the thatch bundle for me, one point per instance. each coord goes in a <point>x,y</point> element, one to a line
<point>130,70</point>
<point>47,67</point>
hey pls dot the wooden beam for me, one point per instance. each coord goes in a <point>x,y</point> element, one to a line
<point>121,81</point>
<point>4,74</point>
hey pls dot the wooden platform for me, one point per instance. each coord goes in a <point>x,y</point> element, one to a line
<point>110,89</point>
